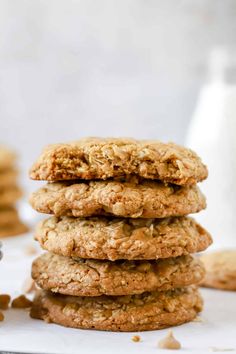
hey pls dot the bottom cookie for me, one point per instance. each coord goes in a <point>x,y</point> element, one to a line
<point>15,229</point>
<point>220,270</point>
<point>148,311</point>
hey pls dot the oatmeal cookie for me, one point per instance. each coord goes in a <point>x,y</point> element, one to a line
<point>149,199</point>
<point>88,277</point>
<point>220,270</point>
<point>147,311</point>
<point>114,238</point>
<point>100,158</point>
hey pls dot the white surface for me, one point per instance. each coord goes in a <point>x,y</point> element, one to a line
<point>20,333</point>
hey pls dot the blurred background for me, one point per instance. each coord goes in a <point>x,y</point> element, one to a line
<point>120,68</point>
<point>109,68</point>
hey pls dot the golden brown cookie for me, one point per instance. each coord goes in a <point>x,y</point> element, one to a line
<point>15,229</point>
<point>8,178</point>
<point>220,270</point>
<point>90,277</point>
<point>9,195</point>
<point>100,158</point>
<point>8,215</point>
<point>147,311</point>
<point>149,199</point>
<point>7,157</point>
<point>113,238</point>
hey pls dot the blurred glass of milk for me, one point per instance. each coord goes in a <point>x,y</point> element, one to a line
<point>212,134</point>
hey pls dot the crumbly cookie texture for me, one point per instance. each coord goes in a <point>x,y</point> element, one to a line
<point>147,311</point>
<point>220,270</point>
<point>9,195</point>
<point>7,158</point>
<point>8,177</point>
<point>146,199</point>
<point>90,277</point>
<point>113,238</point>
<point>99,158</point>
<point>15,229</point>
<point>8,215</point>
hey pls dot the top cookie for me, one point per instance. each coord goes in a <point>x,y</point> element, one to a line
<point>100,158</point>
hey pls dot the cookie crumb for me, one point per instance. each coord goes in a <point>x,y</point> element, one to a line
<point>4,301</point>
<point>169,342</point>
<point>136,338</point>
<point>29,286</point>
<point>198,319</point>
<point>30,250</point>
<point>21,302</point>
<point>1,316</point>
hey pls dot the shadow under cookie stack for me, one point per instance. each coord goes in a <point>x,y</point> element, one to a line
<point>10,192</point>
<point>119,242</point>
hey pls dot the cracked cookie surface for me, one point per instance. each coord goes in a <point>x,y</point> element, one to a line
<point>220,270</point>
<point>147,311</point>
<point>146,199</point>
<point>114,238</point>
<point>101,158</point>
<point>90,277</point>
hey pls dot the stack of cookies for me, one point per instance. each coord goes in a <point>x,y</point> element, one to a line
<point>119,242</point>
<point>10,192</point>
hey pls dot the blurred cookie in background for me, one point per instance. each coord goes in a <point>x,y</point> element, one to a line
<point>13,229</point>
<point>8,177</point>
<point>7,158</point>
<point>10,193</point>
<point>220,269</point>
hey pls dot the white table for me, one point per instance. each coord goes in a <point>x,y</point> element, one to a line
<point>21,333</point>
